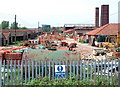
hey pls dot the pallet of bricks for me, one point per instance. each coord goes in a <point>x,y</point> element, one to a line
<point>1,55</point>
<point>13,56</point>
<point>58,37</point>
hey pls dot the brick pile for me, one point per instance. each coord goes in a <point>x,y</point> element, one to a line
<point>13,56</point>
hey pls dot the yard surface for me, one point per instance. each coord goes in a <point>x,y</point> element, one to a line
<point>84,48</point>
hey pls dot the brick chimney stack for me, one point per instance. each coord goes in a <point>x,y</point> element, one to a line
<point>96,17</point>
<point>104,15</point>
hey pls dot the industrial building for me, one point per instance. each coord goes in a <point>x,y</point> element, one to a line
<point>46,26</point>
<point>8,36</point>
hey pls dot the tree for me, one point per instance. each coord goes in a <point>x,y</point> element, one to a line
<point>13,26</point>
<point>22,27</point>
<point>5,24</point>
<point>46,30</point>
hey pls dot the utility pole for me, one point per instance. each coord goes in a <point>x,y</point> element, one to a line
<point>38,27</point>
<point>15,28</point>
<point>118,34</point>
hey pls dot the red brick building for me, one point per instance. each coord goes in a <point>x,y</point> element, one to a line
<point>106,30</point>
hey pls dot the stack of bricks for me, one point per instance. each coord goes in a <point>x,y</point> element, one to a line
<point>13,56</point>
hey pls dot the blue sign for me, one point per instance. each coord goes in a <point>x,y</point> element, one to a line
<point>60,68</point>
<point>60,71</point>
<point>60,75</point>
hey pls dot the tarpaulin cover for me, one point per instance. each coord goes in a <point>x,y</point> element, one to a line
<point>18,51</point>
<point>41,47</point>
<point>39,54</point>
<point>21,50</point>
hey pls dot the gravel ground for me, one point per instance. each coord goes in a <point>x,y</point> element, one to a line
<point>84,48</point>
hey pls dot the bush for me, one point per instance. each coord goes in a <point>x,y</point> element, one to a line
<point>45,82</point>
<point>82,41</point>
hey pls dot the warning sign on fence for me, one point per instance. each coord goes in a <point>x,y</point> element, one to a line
<point>60,71</point>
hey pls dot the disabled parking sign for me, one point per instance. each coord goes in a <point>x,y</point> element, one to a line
<point>60,71</point>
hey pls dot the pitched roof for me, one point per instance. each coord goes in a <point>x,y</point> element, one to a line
<point>69,31</point>
<point>20,30</point>
<point>85,28</point>
<point>108,29</point>
<point>6,35</point>
<point>20,33</point>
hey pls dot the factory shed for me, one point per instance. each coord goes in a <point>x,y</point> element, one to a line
<point>108,30</point>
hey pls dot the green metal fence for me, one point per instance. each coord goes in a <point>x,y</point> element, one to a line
<point>13,72</point>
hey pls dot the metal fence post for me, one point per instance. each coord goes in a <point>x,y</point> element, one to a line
<point>79,69</point>
<point>118,71</point>
<point>0,73</point>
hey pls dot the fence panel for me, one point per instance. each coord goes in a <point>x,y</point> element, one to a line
<point>22,72</point>
<point>0,73</point>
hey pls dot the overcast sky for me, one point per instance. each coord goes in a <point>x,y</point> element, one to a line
<point>54,12</point>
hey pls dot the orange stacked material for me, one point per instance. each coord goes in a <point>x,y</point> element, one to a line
<point>62,48</point>
<point>14,48</point>
<point>23,47</point>
<point>15,56</point>
<point>1,55</point>
<point>73,43</point>
<point>71,37</point>
<point>1,51</point>
<point>8,51</point>
<point>17,48</point>
<point>63,38</point>
<point>64,43</point>
<point>76,38</point>
<point>116,54</point>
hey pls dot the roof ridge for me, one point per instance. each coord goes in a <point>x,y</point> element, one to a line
<point>101,28</point>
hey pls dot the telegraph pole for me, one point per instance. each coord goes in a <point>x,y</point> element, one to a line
<point>15,28</point>
<point>38,27</point>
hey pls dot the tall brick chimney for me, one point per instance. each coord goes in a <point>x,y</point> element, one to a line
<point>104,14</point>
<point>96,17</point>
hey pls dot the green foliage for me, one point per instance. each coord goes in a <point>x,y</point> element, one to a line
<point>82,41</point>
<point>46,30</point>
<point>17,43</point>
<point>117,49</point>
<point>13,26</point>
<point>45,81</point>
<point>5,24</point>
<point>22,27</point>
